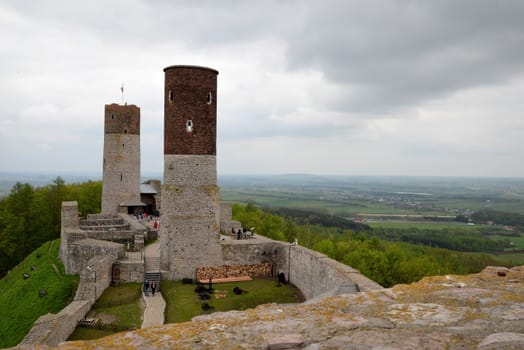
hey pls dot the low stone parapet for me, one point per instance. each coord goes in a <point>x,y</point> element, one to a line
<point>51,329</point>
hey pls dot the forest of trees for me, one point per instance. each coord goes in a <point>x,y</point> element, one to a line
<point>498,217</point>
<point>385,262</point>
<point>30,216</point>
<point>466,241</point>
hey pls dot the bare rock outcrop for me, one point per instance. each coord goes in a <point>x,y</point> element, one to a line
<point>479,311</point>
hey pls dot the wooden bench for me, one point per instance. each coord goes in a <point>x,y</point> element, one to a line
<point>227,279</point>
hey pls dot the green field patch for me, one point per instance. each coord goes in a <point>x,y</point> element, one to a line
<point>183,303</point>
<point>309,201</point>
<point>118,308</point>
<point>517,241</point>
<point>509,259</point>
<point>429,225</point>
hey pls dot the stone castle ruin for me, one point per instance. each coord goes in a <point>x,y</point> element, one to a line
<point>194,227</point>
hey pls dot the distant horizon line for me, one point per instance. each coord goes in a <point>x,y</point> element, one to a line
<point>160,173</point>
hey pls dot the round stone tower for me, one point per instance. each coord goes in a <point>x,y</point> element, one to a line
<point>121,170</point>
<point>189,233</point>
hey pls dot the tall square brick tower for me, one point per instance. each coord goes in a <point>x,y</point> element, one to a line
<point>189,233</point>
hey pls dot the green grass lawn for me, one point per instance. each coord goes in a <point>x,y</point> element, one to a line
<point>517,241</point>
<point>20,303</point>
<point>183,303</point>
<point>120,306</point>
<point>510,259</point>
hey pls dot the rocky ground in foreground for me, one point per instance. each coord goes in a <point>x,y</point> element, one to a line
<point>480,311</point>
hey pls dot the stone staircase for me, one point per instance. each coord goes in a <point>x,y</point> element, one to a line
<point>152,270</point>
<point>106,227</point>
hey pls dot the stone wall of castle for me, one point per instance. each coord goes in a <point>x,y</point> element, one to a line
<point>315,273</point>
<point>52,329</point>
<point>95,278</point>
<point>131,271</point>
<point>80,252</point>
<point>188,231</point>
<point>226,222</point>
<point>312,272</point>
<point>69,224</point>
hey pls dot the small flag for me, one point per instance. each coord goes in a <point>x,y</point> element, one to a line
<point>122,88</point>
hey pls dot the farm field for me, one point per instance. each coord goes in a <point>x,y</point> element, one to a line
<point>348,196</point>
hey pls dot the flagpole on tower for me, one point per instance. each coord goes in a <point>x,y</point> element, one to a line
<point>122,89</point>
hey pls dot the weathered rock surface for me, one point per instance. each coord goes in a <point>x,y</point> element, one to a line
<point>480,311</point>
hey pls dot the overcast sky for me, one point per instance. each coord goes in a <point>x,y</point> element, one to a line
<point>323,87</point>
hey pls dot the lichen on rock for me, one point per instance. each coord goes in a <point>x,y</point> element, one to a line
<point>480,311</point>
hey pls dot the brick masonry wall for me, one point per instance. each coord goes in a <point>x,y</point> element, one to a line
<point>255,270</point>
<point>121,119</point>
<point>186,99</point>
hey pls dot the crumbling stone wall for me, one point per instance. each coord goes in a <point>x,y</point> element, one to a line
<point>80,252</point>
<point>131,271</point>
<point>315,273</point>
<point>52,329</point>
<point>226,221</point>
<point>312,272</point>
<point>69,228</point>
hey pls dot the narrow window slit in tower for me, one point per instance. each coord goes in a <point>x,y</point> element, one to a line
<point>125,131</point>
<point>112,116</point>
<point>209,98</point>
<point>189,126</point>
<point>123,145</point>
<point>120,177</point>
<point>170,96</point>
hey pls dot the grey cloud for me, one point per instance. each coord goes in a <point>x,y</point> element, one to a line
<point>404,52</point>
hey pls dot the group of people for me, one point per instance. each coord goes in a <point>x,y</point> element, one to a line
<point>242,233</point>
<point>149,285</point>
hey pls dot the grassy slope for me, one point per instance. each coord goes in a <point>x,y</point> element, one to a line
<point>121,304</point>
<point>183,303</point>
<point>20,302</point>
